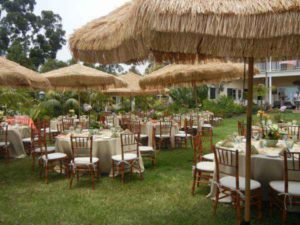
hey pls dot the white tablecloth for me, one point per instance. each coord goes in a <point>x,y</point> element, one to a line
<point>264,168</point>
<point>15,136</point>
<point>103,147</point>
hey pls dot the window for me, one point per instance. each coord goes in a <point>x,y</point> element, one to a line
<point>284,66</point>
<point>212,93</point>
<point>275,66</point>
<point>231,93</point>
<point>239,94</point>
<point>298,64</point>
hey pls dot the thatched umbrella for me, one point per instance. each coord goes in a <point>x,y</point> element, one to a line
<point>97,40</point>
<point>179,75</point>
<point>14,75</point>
<point>133,88</point>
<point>184,30</point>
<point>79,77</point>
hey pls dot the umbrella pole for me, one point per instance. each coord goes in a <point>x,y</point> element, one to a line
<point>248,141</point>
<point>79,105</point>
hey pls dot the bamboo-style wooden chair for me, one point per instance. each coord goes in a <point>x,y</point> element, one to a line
<point>162,134</point>
<point>285,194</point>
<point>28,142</point>
<point>82,159</point>
<point>293,131</point>
<point>230,183</point>
<point>37,138</point>
<point>4,143</point>
<point>206,135</point>
<point>129,157</point>
<point>48,160</point>
<point>183,137</point>
<point>67,123</point>
<point>203,170</point>
<point>136,128</point>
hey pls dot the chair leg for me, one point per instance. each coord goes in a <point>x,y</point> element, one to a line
<point>60,166</point>
<point>194,181</point>
<point>270,203</point>
<point>92,176</point>
<point>216,201</point>
<point>71,178</point>
<point>46,173</point>
<point>33,162</point>
<point>238,208</point>
<point>198,178</point>
<point>284,216</point>
<point>259,208</point>
<point>123,173</point>
<point>113,169</point>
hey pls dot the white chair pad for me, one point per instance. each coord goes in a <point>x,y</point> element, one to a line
<point>206,166</point>
<point>162,136</point>
<point>2,144</point>
<point>294,187</point>
<point>127,157</point>
<point>85,160</point>
<point>54,131</point>
<point>229,182</point>
<point>209,157</point>
<point>55,156</point>
<point>146,149</point>
<point>28,140</point>
<point>182,135</point>
<point>49,149</point>
<point>142,135</point>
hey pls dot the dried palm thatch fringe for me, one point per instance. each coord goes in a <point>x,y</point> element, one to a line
<point>133,87</point>
<point>181,30</point>
<point>82,77</point>
<point>191,75</point>
<point>15,75</point>
<point>108,38</point>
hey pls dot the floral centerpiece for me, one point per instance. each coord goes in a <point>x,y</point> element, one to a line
<point>71,112</point>
<point>263,117</point>
<point>272,135</point>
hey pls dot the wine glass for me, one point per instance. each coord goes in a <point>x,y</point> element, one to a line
<point>289,144</point>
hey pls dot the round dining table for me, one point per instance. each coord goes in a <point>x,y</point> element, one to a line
<point>15,134</point>
<point>266,163</point>
<point>104,147</point>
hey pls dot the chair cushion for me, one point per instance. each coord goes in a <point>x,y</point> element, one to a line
<point>146,149</point>
<point>206,166</point>
<point>49,149</point>
<point>28,140</point>
<point>162,136</point>
<point>127,157</point>
<point>54,156</point>
<point>2,144</point>
<point>294,187</point>
<point>229,182</point>
<point>142,135</point>
<point>54,131</point>
<point>182,135</point>
<point>85,160</point>
<point>209,157</point>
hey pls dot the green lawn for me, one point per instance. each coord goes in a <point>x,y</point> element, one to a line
<point>163,197</point>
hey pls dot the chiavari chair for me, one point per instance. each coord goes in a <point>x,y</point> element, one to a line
<point>194,124</point>
<point>183,136</point>
<point>48,159</point>
<point>285,194</point>
<point>293,131</point>
<point>136,128</point>
<point>4,143</point>
<point>67,123</point>
<point>241,128</point>
<point>230,183</point>
<point>203,170</point>
<point>129,157</point>
<point>125,121</point>
<point>38,142</point>
<point>163,134</point>
<point>206,135</point>
<point>28,142</point>
<point>82,158</point>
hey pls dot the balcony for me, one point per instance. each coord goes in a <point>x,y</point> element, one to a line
<point>279,66</point>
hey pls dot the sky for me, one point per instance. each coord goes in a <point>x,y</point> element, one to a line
<point>76,13</point>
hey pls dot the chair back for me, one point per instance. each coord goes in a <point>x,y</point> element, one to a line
<point>39,137</point>
<point>82,146</point>
<point>129,144</point>
<point>195,121</point>
<point>197,147</point>
<point>67,123</point>
<point>177,119</point>
<point>135,127</point>
<point>293,131</point>
<point>227,163</point>
<point>241,128</point>
<point>165,128</point>
<point>291,168</point>
<point>4,134</point>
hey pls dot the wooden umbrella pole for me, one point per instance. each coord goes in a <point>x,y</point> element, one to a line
<point>79,105</point>
<point>248,141</point>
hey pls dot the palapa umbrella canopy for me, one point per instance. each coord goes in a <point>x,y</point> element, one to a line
<point>97,41</point>
<point>80,77</point>
<point>179,75</point>
<point>14,75</point>
<point>184,30</point>
<point>133,87</point>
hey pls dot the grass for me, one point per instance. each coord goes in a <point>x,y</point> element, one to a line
<point>163,197</point>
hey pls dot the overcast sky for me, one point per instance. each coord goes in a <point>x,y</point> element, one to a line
<point>76,13</point>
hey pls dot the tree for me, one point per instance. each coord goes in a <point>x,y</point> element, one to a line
<point>112,68</point>
<point>27,38</point>
<point>52,64</point>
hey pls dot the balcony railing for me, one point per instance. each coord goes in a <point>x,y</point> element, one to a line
<point>279,66</point>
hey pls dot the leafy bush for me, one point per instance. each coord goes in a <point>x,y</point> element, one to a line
<point>223,106</point>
